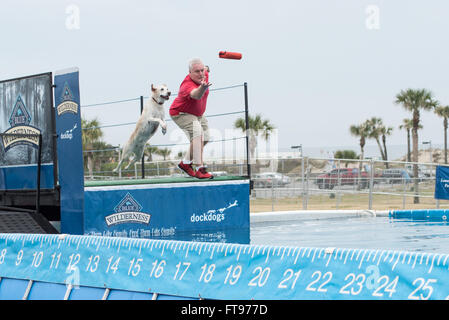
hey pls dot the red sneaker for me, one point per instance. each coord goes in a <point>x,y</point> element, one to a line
<point>201,173</point>
<point>187,168</point>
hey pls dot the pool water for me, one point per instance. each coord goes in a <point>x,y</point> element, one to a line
<point>336,229</point>
<point>363,232</point>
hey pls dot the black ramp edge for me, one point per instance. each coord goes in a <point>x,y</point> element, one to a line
<point>14,221</point>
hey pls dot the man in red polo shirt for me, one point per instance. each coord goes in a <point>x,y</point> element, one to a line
<point>187,112</point>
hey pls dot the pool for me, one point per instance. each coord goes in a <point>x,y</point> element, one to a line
<point>355,229</point>
<point>358,230</point>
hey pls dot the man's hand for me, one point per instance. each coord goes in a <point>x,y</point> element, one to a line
<point>205,84</point>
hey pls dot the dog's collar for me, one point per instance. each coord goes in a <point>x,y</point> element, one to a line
<point>160,103</point>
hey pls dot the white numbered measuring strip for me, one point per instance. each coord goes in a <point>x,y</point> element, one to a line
<point>224,271</point>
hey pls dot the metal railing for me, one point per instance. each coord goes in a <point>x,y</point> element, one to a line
<point>322,183</point>
<point>318,183</point>
<point>168,168</point>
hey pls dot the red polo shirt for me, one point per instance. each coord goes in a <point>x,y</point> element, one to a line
<point>184,103</point>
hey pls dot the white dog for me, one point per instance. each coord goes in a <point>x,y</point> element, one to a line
<point>152,116</point>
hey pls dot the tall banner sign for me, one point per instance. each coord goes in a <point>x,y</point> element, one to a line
<point>26,109</point>
<point>442,183</point>
<point>69,146</point>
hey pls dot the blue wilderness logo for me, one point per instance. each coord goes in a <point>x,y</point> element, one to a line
<point>128,211</point>
<point>20,132</point>
<point>68,105</point>
<point>20,114</point>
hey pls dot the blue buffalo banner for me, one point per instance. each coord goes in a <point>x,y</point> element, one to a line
<point>166,210</point>
<point>442,183</point>
<point>69,149</point>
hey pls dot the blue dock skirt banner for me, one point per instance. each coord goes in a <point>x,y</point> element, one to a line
<point>442,183</point>
<point>164,210</point>
<point>69,149</point>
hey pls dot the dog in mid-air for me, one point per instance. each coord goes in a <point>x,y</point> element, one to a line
<point>152,116</point>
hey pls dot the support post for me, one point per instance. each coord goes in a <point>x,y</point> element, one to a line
<point>70,155</point>
<point>303,180</point>
<point>38,182</point>
<point>143,155</point>
<point>248,165</point>
<point>371,185</point>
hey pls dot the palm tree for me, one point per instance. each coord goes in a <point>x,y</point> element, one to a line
<point>385,131</point>
<point>104,155</point>
<point>443,111</point>
<point>150,150</point>
<point>407,124</point>
<point>415,100</point>
<point>379,131</point>
<point>346,155</point>
<point>181,154</point>
<point>363,132</point>
<point>256,126</point>
<point>164,153</point>
<point>91,133</point>
<point>375,131</point>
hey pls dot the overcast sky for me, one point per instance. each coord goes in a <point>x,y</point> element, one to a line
<point>313,67</point>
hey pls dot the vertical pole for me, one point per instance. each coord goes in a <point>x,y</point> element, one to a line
<point>119,157</point>
<point>307,170</point>
<point>371,184</point>
<point>338,195</point>
<point>54,136</point>
<point>38,183</point>
<point>223,152</point>
<point>303,180</point>
<point>143,155</point>
<point>248,165</point>
<point>234,151</point>
<point>404,189</point>
<point>437,200</point>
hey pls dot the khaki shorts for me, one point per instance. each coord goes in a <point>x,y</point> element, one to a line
<point>192,125</point>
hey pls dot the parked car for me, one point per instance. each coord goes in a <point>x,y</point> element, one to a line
<point>423,172</point>
<point>343,176</point>
<point>270,179</point>
<point>395,176</point>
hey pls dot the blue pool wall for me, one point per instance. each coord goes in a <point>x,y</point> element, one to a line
<point>404,270</point>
